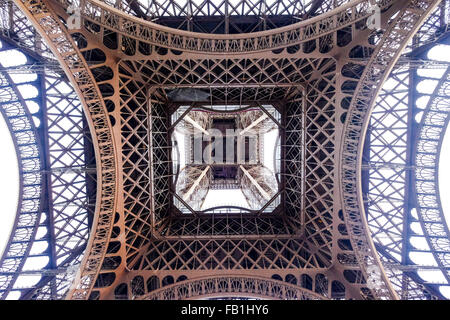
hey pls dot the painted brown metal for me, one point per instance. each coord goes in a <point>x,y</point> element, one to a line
<point>313,70</point>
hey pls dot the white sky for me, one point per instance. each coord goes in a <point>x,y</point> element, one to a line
<point>444,174</point>
<point>9,171</point>
<point>216,198</point>
<point>270,140</point>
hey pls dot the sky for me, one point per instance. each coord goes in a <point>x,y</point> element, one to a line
<point>9,174</point>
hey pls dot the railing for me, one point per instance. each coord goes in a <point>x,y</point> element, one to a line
<point>118,21</point>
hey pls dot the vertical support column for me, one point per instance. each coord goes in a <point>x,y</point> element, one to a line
<point>227,18</point>
<point>11,16</point>
<point>365,175</point>
<point>91,175</point>
<point>47,201</point>
<point>150,159</point>
<point>303,159</point>
<point>409,178</point>
<point>282,174</point>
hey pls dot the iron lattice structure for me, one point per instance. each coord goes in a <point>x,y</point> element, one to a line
<point>103,171</point>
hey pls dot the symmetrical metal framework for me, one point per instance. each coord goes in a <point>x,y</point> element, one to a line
<point>349,175</point>
<point>47,244</point>
<point>224,149</point>
<point>233,287</point>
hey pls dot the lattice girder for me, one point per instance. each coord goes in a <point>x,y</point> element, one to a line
<point>133,145</point>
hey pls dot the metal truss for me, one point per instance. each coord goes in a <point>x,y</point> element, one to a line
<point>72,185</point>
<point>236,254</point>
<point>105,20</point>
<point>323,74</point>
<point>385,186</point>
<point>389,165</point>
<point>226,17</point>
<point>362,101</point>
<point>76,233</point>
<point>193,184</point>
<point>29,208</point>
<point>430,136</point>
<point>232,287</point>
<point>304,286</point>
<point>62,226</point>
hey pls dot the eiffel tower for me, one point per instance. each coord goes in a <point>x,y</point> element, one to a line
<point>226,149</point>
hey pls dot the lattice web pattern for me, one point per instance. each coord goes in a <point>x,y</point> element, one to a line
<point>227,72</point>
<point>305,87</point>
<point>240,16</point>
<point>136,164</point>
<point>72,203</point>
<point>387,169</point>
<point>68,173</point>
<point>229,254</point>
<point>319,139</point>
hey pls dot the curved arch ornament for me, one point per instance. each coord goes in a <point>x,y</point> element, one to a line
<point>63,47</point>
<point>399,31</point>
<point>429,208</point>
<point>388,164</point>
<point>29,207</point>
<point>98,12</point>
<point>232,286</point>
<point>267,14</point>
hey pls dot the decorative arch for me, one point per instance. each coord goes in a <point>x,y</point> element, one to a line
<point>232,286</point>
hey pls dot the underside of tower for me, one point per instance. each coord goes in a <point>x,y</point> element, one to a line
<point>226,149</point>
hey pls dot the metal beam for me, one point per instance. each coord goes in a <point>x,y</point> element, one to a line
<point>254,123</point>
<point>196,183</point>
<point>195,124</point>
<point>256,184</point>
